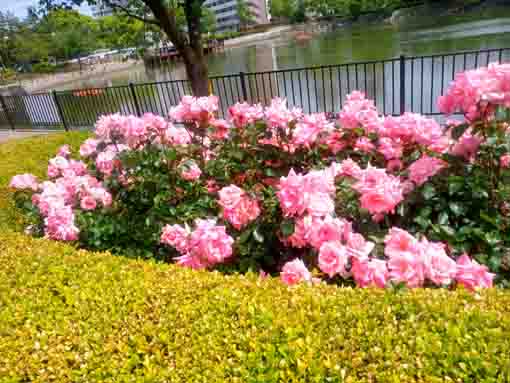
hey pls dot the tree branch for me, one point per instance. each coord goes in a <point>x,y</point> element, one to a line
<point>128,13</point>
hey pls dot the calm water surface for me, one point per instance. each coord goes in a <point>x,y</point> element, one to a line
<point>340,45</point>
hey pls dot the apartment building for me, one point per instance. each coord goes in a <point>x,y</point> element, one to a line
<point>227,17</point>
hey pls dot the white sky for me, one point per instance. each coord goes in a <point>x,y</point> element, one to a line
<point>19,7</point>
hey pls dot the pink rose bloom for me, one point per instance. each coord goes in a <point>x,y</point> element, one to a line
<point>504,161</point>
<point>279,116</point>
<point>211,186</point>
<point>394,166</point>
<point>302,231</point>
<point>110,126</point>
<point>191,261</point>
<point>440,269</point>
<point>328,230</point>
<point>363,144</point>
<point>359,112</point>
<point>24,181</point>
<point>190,170</point>
<point>64,151</point>
<point>154,124</point>
<point>349,168</point>
<point>372,272</point>
<point>176,136</point>
<point>177,237</point>
<point>390,148</point>
<point>294,272</point>
<point>88,203</point>
<point>79,168</point>
<point>195,110</point>
<point>467,146</point>
<point>244,114</point>
<point>357,247</point>
<point>333,258</point>
<point>472,275</point>
<point>53,171</point>
<point>310,127</point>
<point>399,242</point>
<point>424,168</point>
<point>238,208</point>
<point>105,162</point>
<point>335,142</point>
<point>221,129</point>
<point>290,194</point>
<point>380,192</point>
<point>408,268</point>
<point>59,224</point>
<point>210,242</point>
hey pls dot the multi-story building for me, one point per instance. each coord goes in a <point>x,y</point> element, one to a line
<point>227,16</point>
<point>102,9</point>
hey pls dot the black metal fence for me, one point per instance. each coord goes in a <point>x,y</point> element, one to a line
<point>396,85</point>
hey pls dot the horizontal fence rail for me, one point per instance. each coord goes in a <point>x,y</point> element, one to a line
<point>397,85</point>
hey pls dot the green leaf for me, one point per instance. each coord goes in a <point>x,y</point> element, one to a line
<point>458,131</point>
<point>448,230</point>
<point>258,236</point>
<point>494,263</point>
<point>269,172</point>
<point>488,219</point>
<point>428,191</point>
<point>443,218</point>
<point>287,228</point>
<point>456,208</point>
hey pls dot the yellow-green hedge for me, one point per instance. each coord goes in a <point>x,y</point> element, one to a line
<point>70,315</point>
<point>28,155</point>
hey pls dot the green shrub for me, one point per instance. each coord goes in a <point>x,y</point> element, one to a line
<point>71,315</point>
<point>29,155</point>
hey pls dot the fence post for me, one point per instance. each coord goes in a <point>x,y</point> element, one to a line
<point>135,100</point>
<point>59,110</point>
<point>403,84</point>
<point>7,115</point>
<point>243,86</point>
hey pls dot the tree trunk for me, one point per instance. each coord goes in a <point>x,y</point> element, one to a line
<point>190,47</point>
<point>198,75</point>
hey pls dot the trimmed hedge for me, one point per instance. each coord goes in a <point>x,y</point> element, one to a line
<point>28,155</point>
<point>72,315</point>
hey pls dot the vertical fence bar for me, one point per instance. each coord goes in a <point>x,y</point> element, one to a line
<point>135,100</point>
<point>6,112</point>
<point>59,111</point>
<point>402,84</point>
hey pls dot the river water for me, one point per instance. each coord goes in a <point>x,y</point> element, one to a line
<point>340,45</point>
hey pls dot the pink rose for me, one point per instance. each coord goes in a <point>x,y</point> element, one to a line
<point>400,242</point>
<point>424,168</point>
<point>175,236</point>
<point>333,258</point>
<point>357,247</point>
<point>372,272</point>
<point>440,269</point>
<point>294,272</point>
<point>64,151</point>
<point>238,208</point>
<point>88,203</point>
<point>472,275</point>
<point>505,161</point>
<point>190,170</point>
<point>24,181</point>
<point>407,268</point>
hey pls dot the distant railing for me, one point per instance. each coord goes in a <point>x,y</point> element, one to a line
<point>396,85</point>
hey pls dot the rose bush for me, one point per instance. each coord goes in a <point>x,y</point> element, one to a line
<point>366,199</point>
